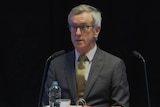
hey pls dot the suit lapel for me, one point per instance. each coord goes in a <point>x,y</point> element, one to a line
<point>95,70</point>
<point>70,75</point>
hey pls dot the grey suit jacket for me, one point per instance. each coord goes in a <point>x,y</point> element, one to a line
<point>106,85</point>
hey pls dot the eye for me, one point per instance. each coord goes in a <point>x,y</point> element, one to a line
<point>83,27</point>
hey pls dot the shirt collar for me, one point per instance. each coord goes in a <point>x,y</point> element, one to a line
<point>89,54</point>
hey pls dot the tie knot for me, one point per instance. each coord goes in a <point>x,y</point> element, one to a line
<point>82,58</point>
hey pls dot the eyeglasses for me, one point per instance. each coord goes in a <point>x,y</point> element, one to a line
<point>83,28</point>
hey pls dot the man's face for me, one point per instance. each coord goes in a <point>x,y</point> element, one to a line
<point>83,33</point>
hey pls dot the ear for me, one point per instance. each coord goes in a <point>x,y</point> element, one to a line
<point>97,31</point>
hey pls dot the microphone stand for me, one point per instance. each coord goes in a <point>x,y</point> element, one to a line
<point>146,79</point>
<point>137,54</point>
<point>43,80</point>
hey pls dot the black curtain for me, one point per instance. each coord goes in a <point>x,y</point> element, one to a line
<point>32,30</point>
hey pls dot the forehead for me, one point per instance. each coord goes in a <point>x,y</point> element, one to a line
<point>83,18</point>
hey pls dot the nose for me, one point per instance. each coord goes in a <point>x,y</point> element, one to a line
<point>78,31</point>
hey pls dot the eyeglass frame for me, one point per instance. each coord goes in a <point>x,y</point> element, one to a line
<point>83,28</point>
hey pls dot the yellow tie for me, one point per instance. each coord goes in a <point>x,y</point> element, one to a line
<point>81,71</point>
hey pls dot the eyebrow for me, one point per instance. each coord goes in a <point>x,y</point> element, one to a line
<point>80,24</point>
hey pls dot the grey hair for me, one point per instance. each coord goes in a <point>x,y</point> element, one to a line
<point>96,14</point>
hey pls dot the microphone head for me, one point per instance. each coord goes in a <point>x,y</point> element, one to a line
<point>137,54</point>
<point>56,54</point>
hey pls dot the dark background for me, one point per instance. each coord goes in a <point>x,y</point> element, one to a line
<point>32,30</point>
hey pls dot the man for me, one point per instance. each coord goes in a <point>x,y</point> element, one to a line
<point>105,74</point>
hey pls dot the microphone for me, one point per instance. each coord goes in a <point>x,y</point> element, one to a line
<point>54,55</point>
<point>137,54</point>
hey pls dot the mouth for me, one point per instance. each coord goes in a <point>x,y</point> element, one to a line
<point>79,40</point>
